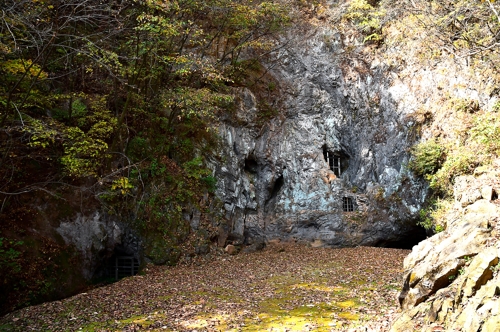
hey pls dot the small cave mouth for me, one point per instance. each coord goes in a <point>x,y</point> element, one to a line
<point>406,241</point>
<point>337,161</point>
<point>251,165</point>
<point>120,265</point>
<point>277,186</point>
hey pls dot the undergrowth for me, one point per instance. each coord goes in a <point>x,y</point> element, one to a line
<point>441,160</point>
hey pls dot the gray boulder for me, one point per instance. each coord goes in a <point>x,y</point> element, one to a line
<point>453,277</point>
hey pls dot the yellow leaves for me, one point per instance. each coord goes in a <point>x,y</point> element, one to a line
<point>367,18</point>
<point>358,5</point>
<point>194,102</point>
<point>83,151</point>
<point>41,134</point>
<point>19,67</point>
<point>5,49</point>
<point>122,185</point>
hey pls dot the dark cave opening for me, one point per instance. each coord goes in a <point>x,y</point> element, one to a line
<point>278,184</point>
<point>405,241</point>
<point>251,165</point>
<point>119,265</point>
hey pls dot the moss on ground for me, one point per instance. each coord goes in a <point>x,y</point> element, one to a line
<point>296,290</point>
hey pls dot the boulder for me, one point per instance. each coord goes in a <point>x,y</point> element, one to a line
<point>453,278</point>
<point>479,271</point>
<point>231,250</point>
<point>443,258</point>
<point>487,192</point>
<point>466,190</point>
<point>223,231</point>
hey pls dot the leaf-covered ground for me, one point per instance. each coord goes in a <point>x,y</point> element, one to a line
<point>283,288</point>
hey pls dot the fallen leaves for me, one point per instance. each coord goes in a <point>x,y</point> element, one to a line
<point>298,289</point>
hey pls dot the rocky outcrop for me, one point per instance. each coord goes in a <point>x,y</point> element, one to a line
<point>276,182</point>
<point>452,279</point>
<point>97,238</point>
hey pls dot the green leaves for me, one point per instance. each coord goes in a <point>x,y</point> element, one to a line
<point>9,255</point>
<point>122,185</point>
<point>84,151</point>
<point>427,157</point>
<point>478,144</point>
<point>41,134</point>
<point>194,168</point>
<point>189,102</point>
<point>81,153</point>
<point>367,18</point>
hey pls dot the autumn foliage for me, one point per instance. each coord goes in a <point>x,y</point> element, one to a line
<point>115,103</point>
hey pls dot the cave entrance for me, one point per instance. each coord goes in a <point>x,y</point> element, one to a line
<point>406,241</point>
<point>337,161</point>
<point>347,204</point>
<point>121,266</point>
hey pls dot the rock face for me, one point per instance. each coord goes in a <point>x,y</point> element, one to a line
<point>453,278</point>
<point>276,181</point>
<point>96,237</point>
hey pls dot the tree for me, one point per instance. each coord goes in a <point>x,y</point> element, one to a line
<point>118,100</point>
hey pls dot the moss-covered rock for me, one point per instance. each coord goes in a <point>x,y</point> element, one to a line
<point>161,252</point>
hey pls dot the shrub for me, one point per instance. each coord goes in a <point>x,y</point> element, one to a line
<point>367,18</point>
<point>427,157</point>
<point>486,134</point>
<point>434,217</point>
<point>461,161</point>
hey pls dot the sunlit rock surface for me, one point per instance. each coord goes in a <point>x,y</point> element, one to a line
<point>452,280</point>
<point>274,179</point>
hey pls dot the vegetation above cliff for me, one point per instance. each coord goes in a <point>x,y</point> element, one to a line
<point>456,43</point>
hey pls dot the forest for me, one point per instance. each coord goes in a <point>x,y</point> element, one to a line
<point>114,104</point>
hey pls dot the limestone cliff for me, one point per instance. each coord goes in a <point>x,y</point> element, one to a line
<point>368,106</point>
<point>274,179</point>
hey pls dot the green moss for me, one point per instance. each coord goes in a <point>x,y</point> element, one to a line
<point>346,304</point>
<point>143,320</point>
<point>161,251</point>
<point>225,295</point>
<point>272,315</point>
<point>349,316</point>
<point>6,327</point>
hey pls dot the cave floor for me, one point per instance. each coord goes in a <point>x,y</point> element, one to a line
<point>283,288</point>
